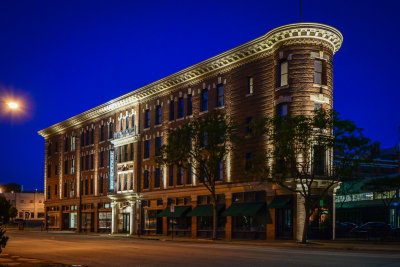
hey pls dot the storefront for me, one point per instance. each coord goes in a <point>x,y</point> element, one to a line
<point>178,224</point>
<point>53,220</point>
<point>152,224</point>
<point>283,216</point>
<point>104,221</point>
<point>204,214</point>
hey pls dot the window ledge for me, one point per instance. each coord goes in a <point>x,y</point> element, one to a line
<point>158,125</point>
<point>146,129</point>
<point>250,94</point>
<point>179,119</point>
<point>189,117</point>
<point>203,112</point>
<point>320,86</point>
<point>146,159</point>
<point>282,87</point>
<point>221,107</point>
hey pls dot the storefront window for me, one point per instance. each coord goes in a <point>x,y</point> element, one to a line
<point>105,220</point>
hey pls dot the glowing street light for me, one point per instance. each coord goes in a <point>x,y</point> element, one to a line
<point>12,105</point>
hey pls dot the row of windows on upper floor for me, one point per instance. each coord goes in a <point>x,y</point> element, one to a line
<point>87,163</point>
<point>87,138</point>
<point>87,186</point>
<point>320,73</point>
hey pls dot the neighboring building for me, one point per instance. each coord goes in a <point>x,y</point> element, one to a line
<point>104,157</point>
<point>357,205</point>
<point>30,204</point>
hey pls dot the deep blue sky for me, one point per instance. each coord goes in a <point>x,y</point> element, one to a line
<point>69,56</point>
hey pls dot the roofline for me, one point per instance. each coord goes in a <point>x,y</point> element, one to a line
<point>263,44</point>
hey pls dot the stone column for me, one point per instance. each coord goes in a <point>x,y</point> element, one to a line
<point>301,213</point>
<point>132,217</point>
<point>333,216</point>
<point>114,218</point>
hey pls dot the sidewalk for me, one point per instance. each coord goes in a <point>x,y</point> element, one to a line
<point>9,260</point>
<point>353,245</point>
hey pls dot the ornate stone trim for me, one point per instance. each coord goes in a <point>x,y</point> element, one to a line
<point>296,33</point>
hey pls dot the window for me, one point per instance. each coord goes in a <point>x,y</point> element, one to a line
<point>119,182</point>
<point>317,107</point>
<point>220,95</point>
<point>319,160</point>
<point>171,111</point>
<point>133,122</point>
<point>157,180</point>
<point>171,176</point>
<point>249,125</point>
<point>120,154</point>
<point>101,159</point>
<point>101,186</point>
<point>179,176</point>
<point>82,166</point>
<point>56,170</point>
<point>110,130</point>
<point>55,190</point>
<point>121,124</point>
<point>282,109</point>
<point>72,190</point>
<point>91,186</point>
<point>282,74</point>
<point>249,163</point>
<point>250,88</point>
<point>73,141</point>
<point>158,115</point>
<point>147,118</point>
<point>125,181</point>
<point>189,174</point>
<point>127,122</point>
<point>91,161</point>
<point>181,107</point>
<point>65,189</point>
<point>87,138</point>
<point>49,150</point>
<point>92,136</point>
<point>189,109</point>
<point>131,187</point>
<point>66,167</point>
<point>204,100</point>
<point>66,144</point>
<point>72,166</point>
<point>82,139</point>
<point>56,147</point>
<point>319,72</point>
<point>146,179</point>
<point>131,152</point>
<point>220,171</point>
<point>48,171</point>
<point>102,133</point>
<point>158,145</point>
<point>126,153</point>
<point>87,162</point>
<point>48,192</point>
<point>86,187</point>
<point>146,149</point>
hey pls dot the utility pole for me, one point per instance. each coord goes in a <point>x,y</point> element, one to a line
<point>301,10</point>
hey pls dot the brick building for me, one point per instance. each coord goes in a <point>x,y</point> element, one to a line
<point>99,165</point>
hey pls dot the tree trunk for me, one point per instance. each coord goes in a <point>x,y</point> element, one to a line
<point>214,233</point>
<point>306,223</point>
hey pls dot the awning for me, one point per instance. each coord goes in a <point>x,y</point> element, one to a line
<point>179,211</point>
<point>243,209</point>
<point>204,210</point>
<point>360,204</point>
<point>279,202</point>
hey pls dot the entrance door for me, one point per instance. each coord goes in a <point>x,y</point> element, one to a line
<point>125,222</point>
<point>284,223</point>
<point>159,225</point>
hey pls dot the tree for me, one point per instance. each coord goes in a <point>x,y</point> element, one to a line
<point>6,210</point>
<point>299,157</point>
<point>11,187</point>
<point>201,145</point>
<point>386,188</point>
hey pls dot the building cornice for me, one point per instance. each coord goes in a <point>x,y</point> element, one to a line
<point>265,44</point>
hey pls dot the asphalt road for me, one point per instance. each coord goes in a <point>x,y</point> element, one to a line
<point>94,250</point>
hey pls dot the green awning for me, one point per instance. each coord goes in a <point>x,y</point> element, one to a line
<point>360,204</point>
<point>204,210</point>
<point>243,209</point>
<point>179,211</point>
<point>279,202</point>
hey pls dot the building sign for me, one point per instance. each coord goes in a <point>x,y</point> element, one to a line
<point>111,164</point>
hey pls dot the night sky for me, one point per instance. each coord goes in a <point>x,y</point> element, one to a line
<point>65,57</point>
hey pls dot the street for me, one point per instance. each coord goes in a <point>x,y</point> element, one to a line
<point>104,250</point>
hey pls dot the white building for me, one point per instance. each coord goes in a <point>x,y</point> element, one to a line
<point>30,205</point>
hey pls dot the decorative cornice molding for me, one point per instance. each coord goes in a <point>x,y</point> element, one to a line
<point>264,45</point>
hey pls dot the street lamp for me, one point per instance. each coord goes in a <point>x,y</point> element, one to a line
<point>12,105</point>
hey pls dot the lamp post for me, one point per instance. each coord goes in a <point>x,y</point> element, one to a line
<point>11,105</point>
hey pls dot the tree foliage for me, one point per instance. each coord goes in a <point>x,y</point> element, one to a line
<point>201,146</point>
<point>301,150</point>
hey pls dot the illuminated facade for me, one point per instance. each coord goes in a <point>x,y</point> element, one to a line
<point>289,69</point>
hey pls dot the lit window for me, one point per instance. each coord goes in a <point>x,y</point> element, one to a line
<point>249,85</point>
<point>282,74</point>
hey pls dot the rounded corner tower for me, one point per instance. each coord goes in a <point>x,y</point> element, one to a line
<point>303,56</point>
